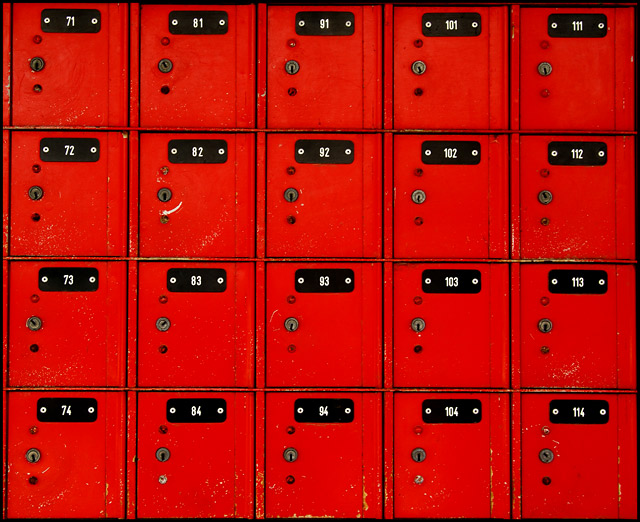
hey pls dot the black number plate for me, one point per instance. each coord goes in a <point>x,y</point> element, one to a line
<point>197,151</point>
<point>68,279</point>
<point>196,280</point>
<point>323,410</point>
<point>578,281</point>
<point>324,23</point>
<point>326,152</point>
<point>577,25</point>
<point>451,281</point>
<point>60,409</point>
<point>585,153</point>
<point>578,412</point>
<point>70,149</point>
<point>196,410</point>
<point>450,152</point>
<point>451,24</point>
<point>198,22</point>
<point>70,21</point>
<point>324,280</point>
<point>451,411</point>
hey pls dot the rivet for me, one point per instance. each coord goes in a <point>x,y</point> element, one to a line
<point>163,348</point>
<point>290,479</point>
<point>544,221</point>
<point>546,481</point>
<point>544,349</point>
<point>33,430</point>
<point>165,41</point>
<point>418,172</point>
<point>417,348</point>
<point>163,429</point>
<point>417,300</point>
<point>545,93</point>
<point>544,173</point>
<point>417,43</point>
<point>418,221</point>
<point>37,39</point>
<point>35,298</point>
<point>34,348</point>
<point>292,91</point>
<point>544,301</point>
<point>291,299</point>
<point>291,430</point>
<point>291,220</point>
<point>291,171</point>
<point>291,348</point>
<point>163,299</point>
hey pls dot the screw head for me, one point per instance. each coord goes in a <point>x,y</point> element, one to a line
<point>290,479</point>
<point>163,429</point>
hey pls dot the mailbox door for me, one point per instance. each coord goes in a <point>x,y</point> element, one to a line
<point>197,195</point>
<point>325,324</point>
<point>70,64</point>
<point>464,340</point>
<point>576,69</point>
<point>581,473</point>
<point>195,324</point>
<point>207,470</point>
<point>450,197</point>
<point>463,470</point>
<point>450,68</point>
<point>577,197</point>
<point>79,472</point>
<point>589,340</point>
<point>324,195</point>
<point>68,194</point>
<point>324,67</point>
<point>197,66</point>
<point>68,323</point>
<point>324,440</point>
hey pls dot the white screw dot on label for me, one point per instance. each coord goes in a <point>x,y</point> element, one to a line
<point>174,151</point>
<point>172,410</point>
<point>427,411</point>
<point>348,280</point>
<point>92,409</point>
<point>601,154</point>
<point>174,22</point>
<point>601,25</point>
<point>300,410</point>
<point>347,410</point>
<point>474,281</point>
<point>222,22</point>
<point>301,280</point>
<point>474,24</point>
<point>601,282</point>
<point>554,281</point>
<point>427,152</point>
<point>43,410</point>
<point>221,410</point>
<point>94,21</point>
<point>94,150</point>
<point>301,23</point>
<point>554,153</point>
<point>44,279</point>
<point>555,411</point>
<point>92,279</point>
<point>220,280</point>
<point>476,411</point>
<point>172,280</point>
<point>300,151</point>
<point>474,152</point>
<point>603,412</point>
<point>554,25</point>
<point>45,149</point>
<point>428,24</point>
<point>221,151</point>
<point>427,281</point>
<point>347,152</point>
<point>47,20</point>
<point>348,23</point>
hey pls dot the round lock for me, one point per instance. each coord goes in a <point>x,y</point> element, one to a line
<point>164,194</point>
<point>290,455</point>
<point>418,196</point>
<point>36,64</point>
<point>292,67</point>
<point>545,197</point>
<point>163,454</point>
<point>34,323</point>
<point>546,455</point>
<point>33,455</point>
<point>165,65</point>
<point>291,195</point>
<point>36,193</point>
<point>291,324</point>
<point>418,324</point>
<point>418,455</point>
<point>545,325</point>
<point>163,324</point>
<point>544,69</point>
<point>418,67</point>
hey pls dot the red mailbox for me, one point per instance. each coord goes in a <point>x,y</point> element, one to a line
<point>577,197</point>
<point>324,67</point>
<point>65,455</point>
<point>197,65</point>
<point>197,195</point>
<point>450,67</point>
<point>70,64</point>
<point>68,194</point>
<point>579,456</point>
<point>451,325</point>
<point>451,455</point>
<point>577,325</point>
<point>196,324</point>
<point>324,195</point>
<point>195,455</point>
<point>310,436</point>
<point>68,323</point>
<point>324,324</point>
<point>450,197</point>
<point>577,68</point>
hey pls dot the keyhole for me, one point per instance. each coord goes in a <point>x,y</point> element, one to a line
<point>292,67</point>
<point>163,454</point>
<point>164,195</point>
<point>291,195</point>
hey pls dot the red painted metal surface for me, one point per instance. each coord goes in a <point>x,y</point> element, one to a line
<point>81,341</point>
<point>339,82</point>
<point>80,473</point>
<point>338,340</point>
<point>212,330</point>
<point>215,89</point>
<point>465,470</point>
<point>223,209</point>
<point>209,472</point>
<point>83,207</point>
<point>84,78</point>
<point>465,341</point>
<point>464,84</point>
<point>324,449</point>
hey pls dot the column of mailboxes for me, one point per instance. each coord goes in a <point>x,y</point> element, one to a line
<point>503,380</point>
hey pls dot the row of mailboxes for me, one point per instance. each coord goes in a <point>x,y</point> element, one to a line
<point>572,325</point>
<point>571,197</point>
<point>194,456</point>
<point>196,66</point>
